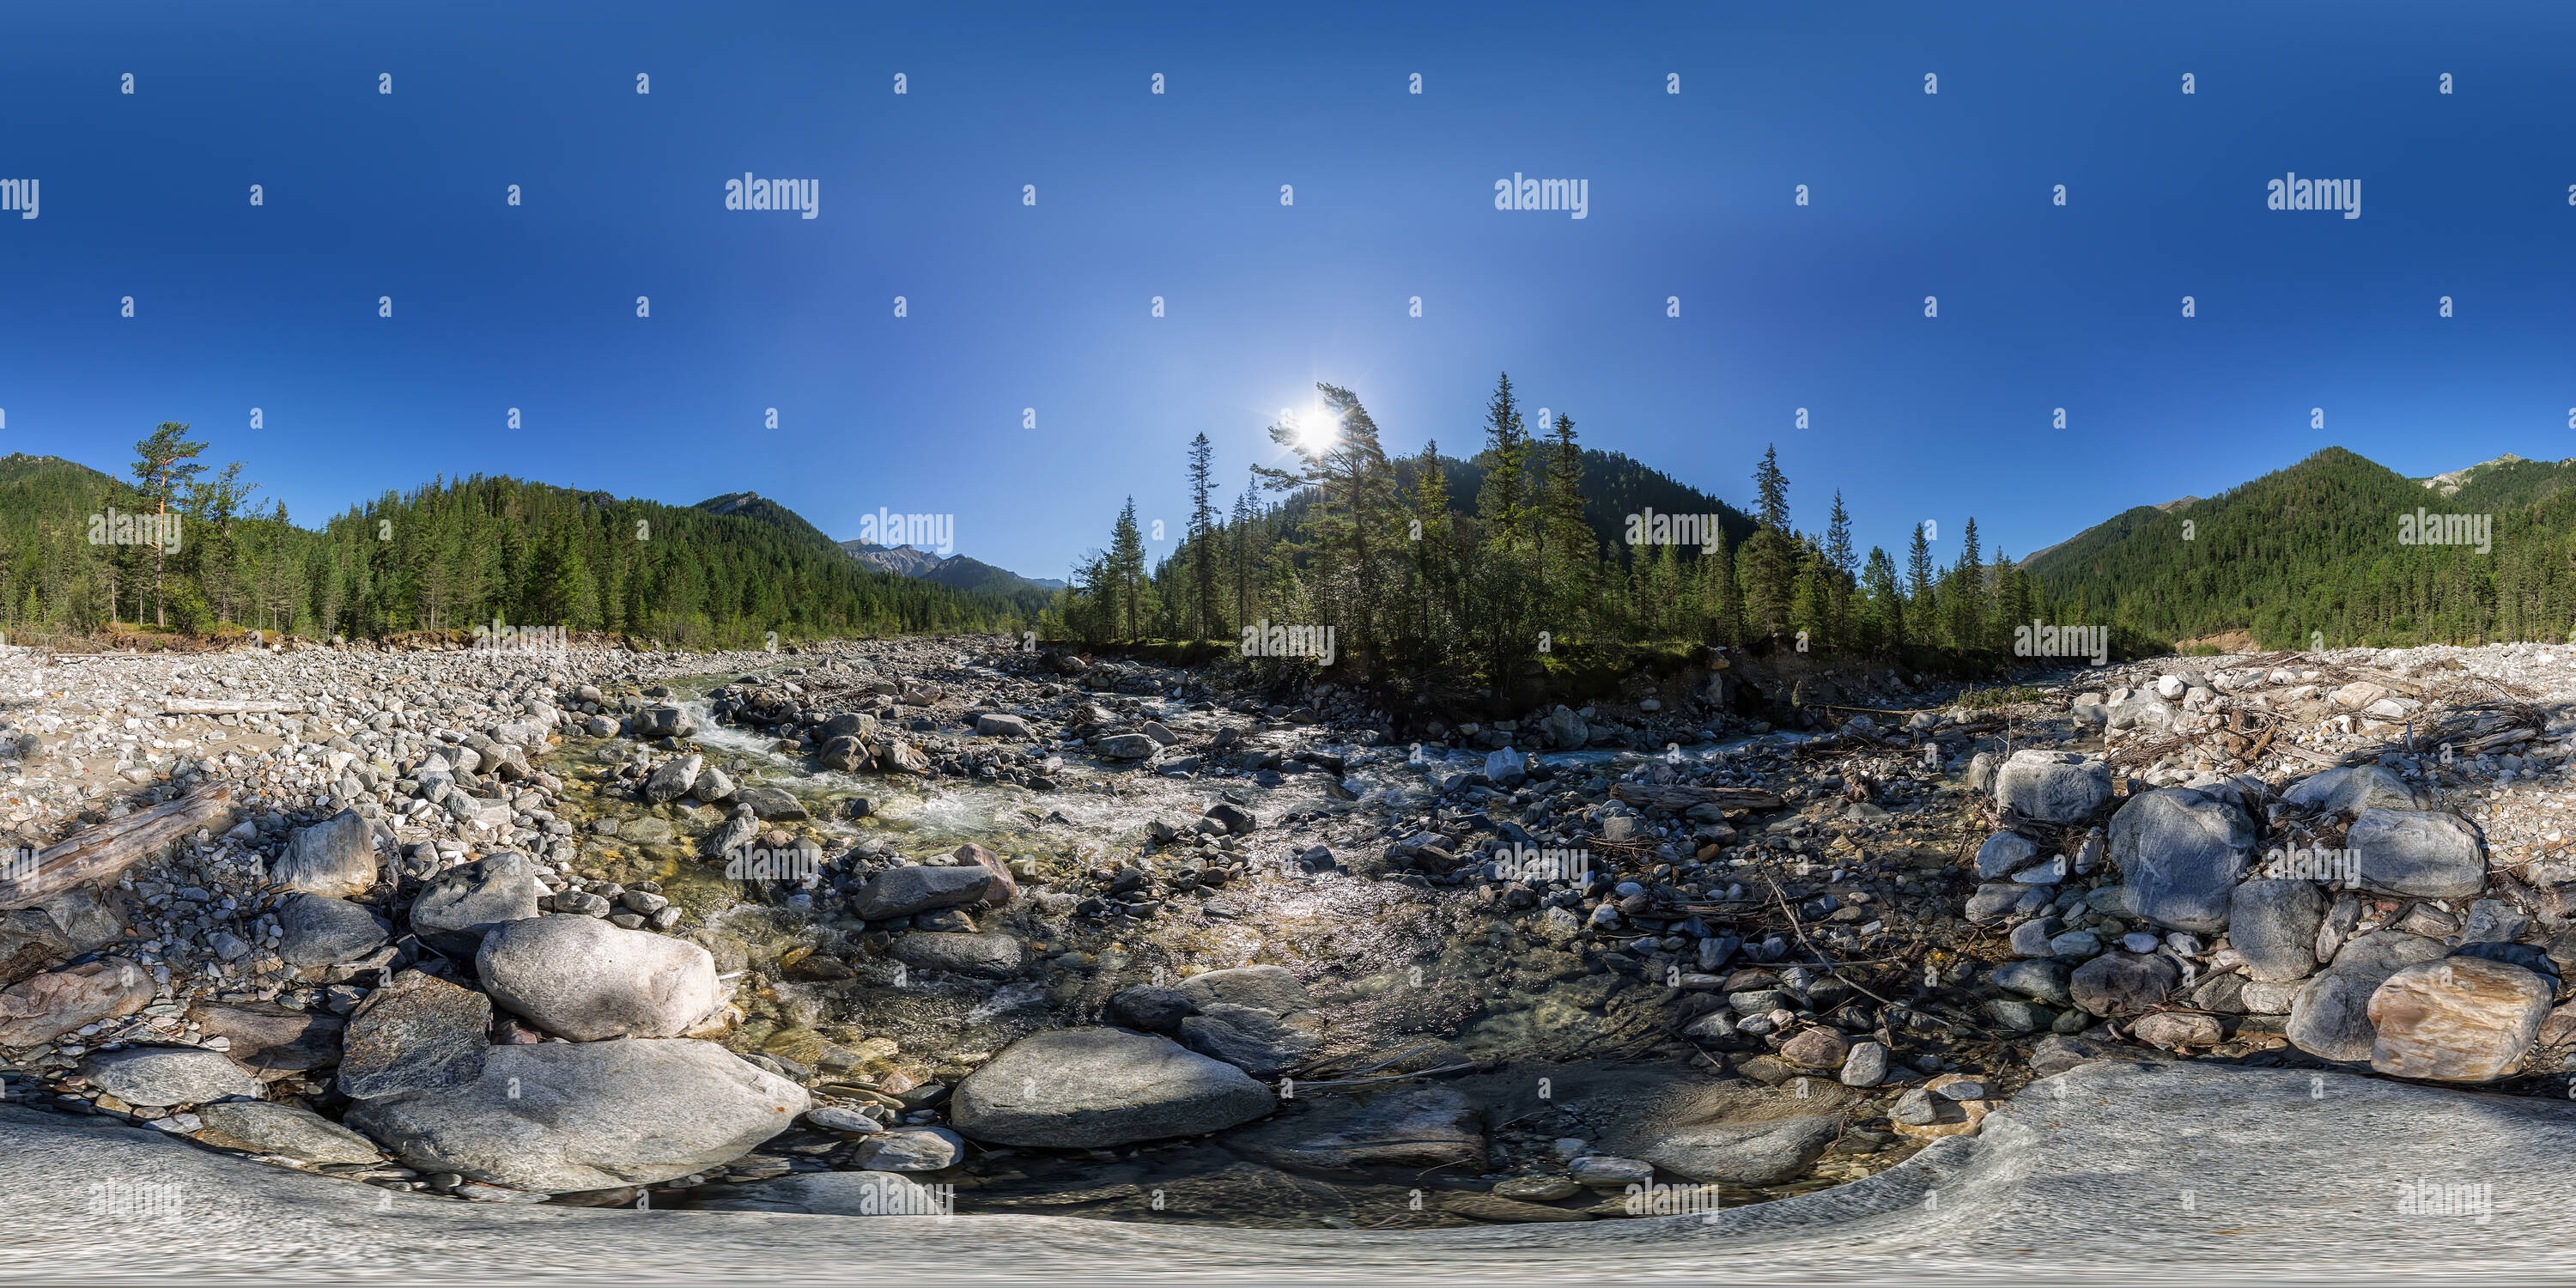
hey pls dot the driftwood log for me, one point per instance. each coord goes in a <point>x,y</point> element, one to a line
<point>1679,796</point>
<point>102,852</point>
<point>232,707</point>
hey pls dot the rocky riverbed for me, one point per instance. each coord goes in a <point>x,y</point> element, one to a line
<point>919,925</point>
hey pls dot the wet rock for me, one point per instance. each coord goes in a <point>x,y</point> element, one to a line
<point>2052,787</point>
<point>714,786</point>
<point>1748,1154</point>
<point>1150,1009</point>
<point>417,1032</point>
<point>1504,1211</point>
<point>1817,1048</point>
<point>335,857</point>
<point>1866,1066</point>
<point>165,1076</point>
<point>1410,1130</point>
<point>1609,1171</point>
<point>321,931</point>
<point>1272,989</point>
<point>770,804</point>
<point>901,892</point>
<point>2418,852</point>
<point>999,888</point>
<point>455,911</point>
<point>1096,1087</point>
<point>910,1149</point>
<point>674,779</point>
<point>2120,983</point>
<point>847,753</point>
<point>586,980</point>
<point>556,1116</point>
<point>2181,852</point>
<point>2459,1019</point>
<point>2330,1017</point>
<point>664,721</point>
<point>1126,746</point>
<point>840,1118</point>
<point>295,1132</point>
<point>728,842</point>
<point>30,942</point>
<point>991,955</point>
<point>1236,820</point>
<point>900,757</point>
<point>1249,1038</point>
<point>2352,789</point>
<point>44,1007</point>
<point>2273,925</point>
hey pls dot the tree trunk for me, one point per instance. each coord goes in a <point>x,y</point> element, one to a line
<point>102,852</point>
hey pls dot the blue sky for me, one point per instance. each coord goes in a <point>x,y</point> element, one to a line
<point>368,195</point>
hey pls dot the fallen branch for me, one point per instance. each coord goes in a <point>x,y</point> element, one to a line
<point>102,852</point>
<point>234,707</point>
<point>1681,797</point>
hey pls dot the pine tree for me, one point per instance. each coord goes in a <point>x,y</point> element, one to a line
<point>1773,551</point>
<point>1886,601</point>
<point>1921,608</point>
<point>1566,540</point>
<point>1503,506</point>
<point>1246,513</point>
<point>1202,539</point>
<point>1839,570</point>
<point>164,466</point>
<point>1127,570</point>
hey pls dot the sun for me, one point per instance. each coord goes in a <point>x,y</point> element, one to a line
<point>1317,431</point>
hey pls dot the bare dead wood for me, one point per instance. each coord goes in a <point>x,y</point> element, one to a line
<point>233,707</point>
<point>1679,796</point>
<point>102,852</point>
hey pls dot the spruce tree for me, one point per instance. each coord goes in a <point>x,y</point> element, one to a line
<point>1202,539</point>
<point>1127,570</point>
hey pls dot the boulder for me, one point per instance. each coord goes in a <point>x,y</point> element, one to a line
<point>1126,746</point>
<point>163,1076</point>
<point>557,1116</point>
<point>335,857</point>
<point>771,804</point>
<point>2273,925</point>
<point>847,753</point>
<point>910,1149</point>
<point>999,888</point>
<point>1149,1009</point>
<point>2354,788</point>
<point>269,1039</point>
<point>1816,1048</point>
<point>43,1007</point>
<point>2003,854</point>
<point>455,911</point>
<point>2330,1017</point>
<point>714,786</point>
<point>586,979</point>
<point>1564,729</point>
<point>30,942</point>
<point>2118,983</point>
<point>1408,1131</point>
<point>2053,786</point>
<point>993,956</point>
<point>290,1130</point>
<point>1264,988</point>
<point>2423,853</point>
<point>2172,1029</point>
<point>994,724</point>
<point>664,721</point>
<point>901,892</point>
<point>417,1032</point>
<point>2181,852</point>
<point>1746,1154</point>
<point>849,724</point>
<point>1250,1039</point>
<point>2459,1019</point>
<point>1096,1087</point>
<point>2042,980</point>
<point>2142,710</point>
<point>674,779</point>
<point>316,930</point>
<point>827,1194</point>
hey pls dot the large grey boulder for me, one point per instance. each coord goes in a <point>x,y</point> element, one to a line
<point>295,1132</point>
<point>557,1116</point>
<point>901,892</point>
<point>165,1076</point>
<point>1272,989</point>
<point>2053,786</point>
<point>1096,1087</point>
<point>1748,1153</point>
<point>455,911</point>
<point>2140,710</point>
<point>997,724</point>
<point>2181,852</point>
<point>335,857</point>
<point>2273,923</point>
<point>2330,1018</point>
<point>2354,788</point>
<point>2005,853</point>
<point>586,979</point>
<point>418,1031</point>
<point>1565,730</point>
<point>316,930</point>
<point>664,721</point>
<point>1250,1039</point>
<point>1410,1130</point>
<point>2424,853</point>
